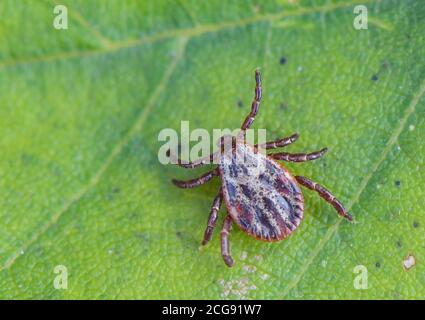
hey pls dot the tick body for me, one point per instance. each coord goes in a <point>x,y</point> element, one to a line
<point>261,196</point>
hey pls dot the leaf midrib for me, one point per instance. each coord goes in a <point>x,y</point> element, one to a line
<point>189,33</point>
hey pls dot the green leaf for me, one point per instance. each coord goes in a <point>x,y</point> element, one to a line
<point>80,113</point>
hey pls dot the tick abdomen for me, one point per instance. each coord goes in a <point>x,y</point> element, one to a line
<point>261,195</point>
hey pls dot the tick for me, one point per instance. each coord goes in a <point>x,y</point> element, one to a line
<point>262,197</point>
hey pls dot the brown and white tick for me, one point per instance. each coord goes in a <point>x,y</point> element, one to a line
<point>262,197</point>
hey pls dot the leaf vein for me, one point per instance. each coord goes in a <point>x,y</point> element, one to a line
<point>364,183</point>
<point>198,30</point>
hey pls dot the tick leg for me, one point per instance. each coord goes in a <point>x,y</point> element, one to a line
<point>212,219</point>
<point>255,103</point>
<point>325,194</point>
<point>225,247</point>
<point>278,143</point>
<point>298,157</point>
<point>197,163</point>
<point>197,181</point>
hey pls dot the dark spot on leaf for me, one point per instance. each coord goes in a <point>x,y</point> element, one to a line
<point>374,77</point>
<point>240,103</point>
<point>415,224</point>
<point>111,194</point>
<point>397,183</point>
<point>399,243</point>
<point>28,159</point>
<point>283,106</point>
<point>378,264</point>
<point>187,241</point>
<point>282,60</point>
<point>132,216</point>
<point>38,251</point>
